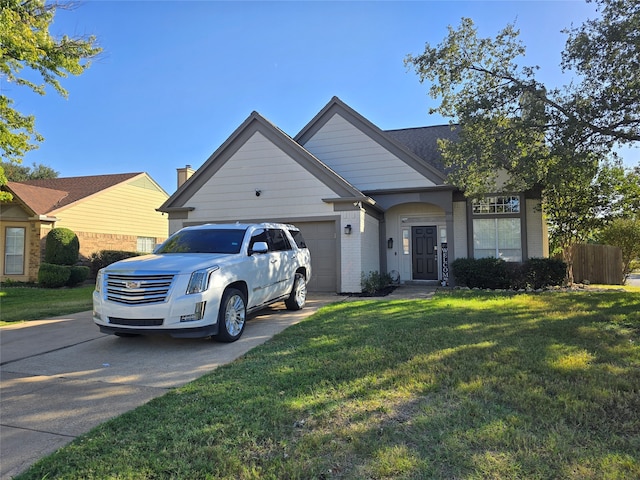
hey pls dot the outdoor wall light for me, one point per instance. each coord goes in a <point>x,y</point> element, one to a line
<point>347,229</point>
<point>390,243</point>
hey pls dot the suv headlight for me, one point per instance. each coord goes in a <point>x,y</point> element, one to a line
<point>199,280</point>
<point>99,278</point>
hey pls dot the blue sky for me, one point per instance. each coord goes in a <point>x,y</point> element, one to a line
<point>177,78</point>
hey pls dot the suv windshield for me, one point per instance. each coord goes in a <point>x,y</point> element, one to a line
<point>204,241</point>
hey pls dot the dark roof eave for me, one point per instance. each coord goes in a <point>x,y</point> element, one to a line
<point>175,209</point>
<point>437,188</point>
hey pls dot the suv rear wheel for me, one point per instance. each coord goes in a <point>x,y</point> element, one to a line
<point>298,296</point>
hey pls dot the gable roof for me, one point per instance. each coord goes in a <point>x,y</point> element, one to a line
<point>389,142</point>
<point>257,123</point>
<point>46,195</point>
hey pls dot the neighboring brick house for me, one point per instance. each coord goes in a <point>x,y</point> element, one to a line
<point>365,199</point>
<point>116,212</point>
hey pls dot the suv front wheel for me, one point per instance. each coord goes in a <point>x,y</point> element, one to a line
<point>232,316</point>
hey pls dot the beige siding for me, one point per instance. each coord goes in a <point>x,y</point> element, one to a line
<point>351,252</point>
<point>360,160</point>
<point>537,235</point>
<point>370,244</point>
<point>126,209</point>
<point>460,230</point>
<point>287,189</point>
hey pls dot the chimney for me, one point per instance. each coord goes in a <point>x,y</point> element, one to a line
<point>184,174</point>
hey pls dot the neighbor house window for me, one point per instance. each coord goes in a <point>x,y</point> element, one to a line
<point>14,251</point>
<point>146,244</point>
<point>497,228</point>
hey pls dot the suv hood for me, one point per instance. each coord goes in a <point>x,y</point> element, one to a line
<point>168,263</point>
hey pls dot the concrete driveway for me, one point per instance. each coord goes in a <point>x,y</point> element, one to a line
<point>61,377</point>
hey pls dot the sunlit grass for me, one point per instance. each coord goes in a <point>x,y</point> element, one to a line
<point>467,385</point>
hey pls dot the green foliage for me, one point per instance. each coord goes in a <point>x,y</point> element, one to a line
<point>53,276</point>
<point>104,258</point>
<point>373,282</point>
<point>26,44</point>
<point>21,173</point>
<point>78,275</point>
<point>481,273</point>
<point>62,247</point>
<point>543,272</point>
<point>495,273</point>
<point>624,233</point>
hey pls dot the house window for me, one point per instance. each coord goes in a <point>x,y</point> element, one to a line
<point>146,244</point>
<point>406,241</point>
<point>497,237</point>
<point>14,251</point>
<point>496,205</point>
<point>497,228</point>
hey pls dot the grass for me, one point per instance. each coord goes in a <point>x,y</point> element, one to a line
<point>468,385</point>
<point>21,303</point>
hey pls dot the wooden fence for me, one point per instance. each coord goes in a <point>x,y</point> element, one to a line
<point>597,264</point>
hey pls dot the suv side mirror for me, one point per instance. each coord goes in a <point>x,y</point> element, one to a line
<point>259,247</point>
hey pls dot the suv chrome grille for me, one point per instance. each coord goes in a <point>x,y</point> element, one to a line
<point>138,289</point>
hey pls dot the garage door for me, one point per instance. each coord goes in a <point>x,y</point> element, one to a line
<point>321,240</point>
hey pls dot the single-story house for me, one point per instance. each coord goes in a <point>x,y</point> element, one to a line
<point>113,212</point>
<point>366,200</point>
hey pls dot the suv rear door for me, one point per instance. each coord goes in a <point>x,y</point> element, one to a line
<point>284,266</point>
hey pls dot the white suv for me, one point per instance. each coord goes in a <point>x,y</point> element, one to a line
<point>203,281</point>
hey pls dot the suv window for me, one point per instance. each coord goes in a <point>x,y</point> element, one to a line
<point>298,238</point>
<point>279,240</point>
<point>204,241</point>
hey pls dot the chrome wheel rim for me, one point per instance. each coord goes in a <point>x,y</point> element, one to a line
<point>234,316</point>
<point>301,292</point>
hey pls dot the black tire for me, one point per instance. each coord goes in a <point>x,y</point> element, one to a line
<point>232,316</point>
<point>298,296</point>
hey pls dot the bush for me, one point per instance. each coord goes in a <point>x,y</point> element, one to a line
<point>106,257</point>
<point>62,247</point>
<point>78,274</point>
<point>53,276</point>
<point>544,272</point>
<point>495,273</point>
<point>374,282</point>
<point>482,272</point>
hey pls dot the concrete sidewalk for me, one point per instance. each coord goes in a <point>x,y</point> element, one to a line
<point>61,377</point>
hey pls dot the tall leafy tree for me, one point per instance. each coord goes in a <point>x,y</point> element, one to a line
<point>28,51</point>
<point>555,137</point>
<point>20,173</point>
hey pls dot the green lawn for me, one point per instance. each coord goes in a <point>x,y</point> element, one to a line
<point>469,385</point>
<point>31,303</point>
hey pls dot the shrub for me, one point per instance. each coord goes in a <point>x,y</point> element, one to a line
<point>482,272</point>
<point>62,247</point>
<point>374,282</point>
<point>106,257</point>
<point>495,273</point>
<point>53,276</point>
<point>78,274</point>
<point>544,272</point>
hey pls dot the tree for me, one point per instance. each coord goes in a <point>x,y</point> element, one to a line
<point>26,44</point>
<point>554,138</point>
<point>624,233</point>
<point>19,173</point>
